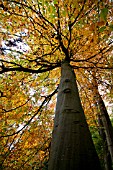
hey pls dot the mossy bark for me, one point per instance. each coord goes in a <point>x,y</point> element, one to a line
<point>72,147</point>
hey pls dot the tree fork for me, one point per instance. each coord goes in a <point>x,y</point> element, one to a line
<point>72,147</point>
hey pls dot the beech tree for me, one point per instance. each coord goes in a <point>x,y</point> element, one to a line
<point>38,39</point>
<point>72,146</point>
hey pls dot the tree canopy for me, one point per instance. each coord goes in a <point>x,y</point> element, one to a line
<point>36,36</point>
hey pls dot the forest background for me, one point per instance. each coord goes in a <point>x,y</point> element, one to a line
<point>35,37</point>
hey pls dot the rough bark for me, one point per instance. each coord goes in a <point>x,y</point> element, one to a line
<point>72,147</point>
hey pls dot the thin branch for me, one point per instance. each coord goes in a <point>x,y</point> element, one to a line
<point>16,107</point>
<point>71,24</point>
<point>101,51</point>
<point>47,98</point>
<point>28,70</point>
<point>91,67</point>
<point>39,14</point>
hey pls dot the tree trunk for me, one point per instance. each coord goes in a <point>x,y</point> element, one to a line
<point>107,125</point>
<point>72,147</point>
<point>104,116</point>
<point>107,157</point>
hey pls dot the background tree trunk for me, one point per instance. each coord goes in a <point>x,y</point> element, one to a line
<point>107,125</point>
<point>72,147</point>
<point>107,157</point>
<point>103,117</point>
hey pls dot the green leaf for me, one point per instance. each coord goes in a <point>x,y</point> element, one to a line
<point>104,13</point>
<point>111,27</point>
<point>55,2</point>
<point>102,29</point>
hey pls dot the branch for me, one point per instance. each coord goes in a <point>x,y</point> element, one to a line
<point>16,107</point>
<point>34,10</point>
<point>101,51</point>
<point>71,24</point>
<point>28,70</point>
<point>91,67</point>
<point>47,98</point>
